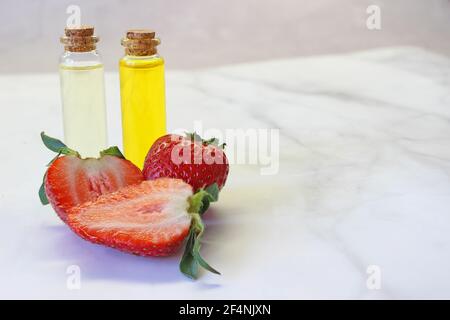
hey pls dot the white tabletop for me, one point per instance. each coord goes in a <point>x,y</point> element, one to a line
<point>363,184</point>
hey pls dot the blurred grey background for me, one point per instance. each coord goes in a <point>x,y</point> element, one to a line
<point>203,33</point>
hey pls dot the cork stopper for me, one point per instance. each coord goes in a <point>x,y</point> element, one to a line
<point>79,39</point>
<point>140,42</point>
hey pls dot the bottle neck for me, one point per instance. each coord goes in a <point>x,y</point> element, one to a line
<point>93,51</point>
<point>84,58</point>
<point>139,57</point>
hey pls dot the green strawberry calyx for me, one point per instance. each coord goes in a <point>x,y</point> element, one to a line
<point>60,148</point>
<point>193,136</point>
<point>192,259</point>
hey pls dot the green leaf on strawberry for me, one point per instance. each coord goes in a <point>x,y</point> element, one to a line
<point>212,141</point>
<point>57,146</point>
<point>213,192</point>
<point>112,151</point>
<point>193,136</point>
<point>42,195</point>
<point>200,201</point>
<point>52,143</point>
<point>212,196</point>
<point>192,259</point>
<point>188,265</point>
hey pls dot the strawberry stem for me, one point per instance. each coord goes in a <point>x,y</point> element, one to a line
<point>192,259</point>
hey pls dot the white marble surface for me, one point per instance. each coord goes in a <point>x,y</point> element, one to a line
<point>364,180</point>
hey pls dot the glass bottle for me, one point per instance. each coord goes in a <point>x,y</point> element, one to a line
<point>142,92</point>
<point>82,91</point>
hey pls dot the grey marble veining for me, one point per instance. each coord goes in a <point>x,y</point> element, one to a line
<point>364,180</point>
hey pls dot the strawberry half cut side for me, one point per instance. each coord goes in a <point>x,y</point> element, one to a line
<point>149,219</point>
<point>70,180</point>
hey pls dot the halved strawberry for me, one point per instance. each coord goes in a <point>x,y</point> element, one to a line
<point>149,219</point>
<point>70,180</point>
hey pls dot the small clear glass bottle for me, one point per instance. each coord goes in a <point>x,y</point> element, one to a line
<point>142,92</point>
<point>82,91</point>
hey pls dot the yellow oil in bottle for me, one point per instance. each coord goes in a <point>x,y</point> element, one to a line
<point>143,104</point>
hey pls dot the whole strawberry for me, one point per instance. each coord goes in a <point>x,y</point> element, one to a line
<point>197,162</point>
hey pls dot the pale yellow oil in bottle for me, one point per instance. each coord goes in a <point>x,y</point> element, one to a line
<point>84,111</point>
<point>143,104</point>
